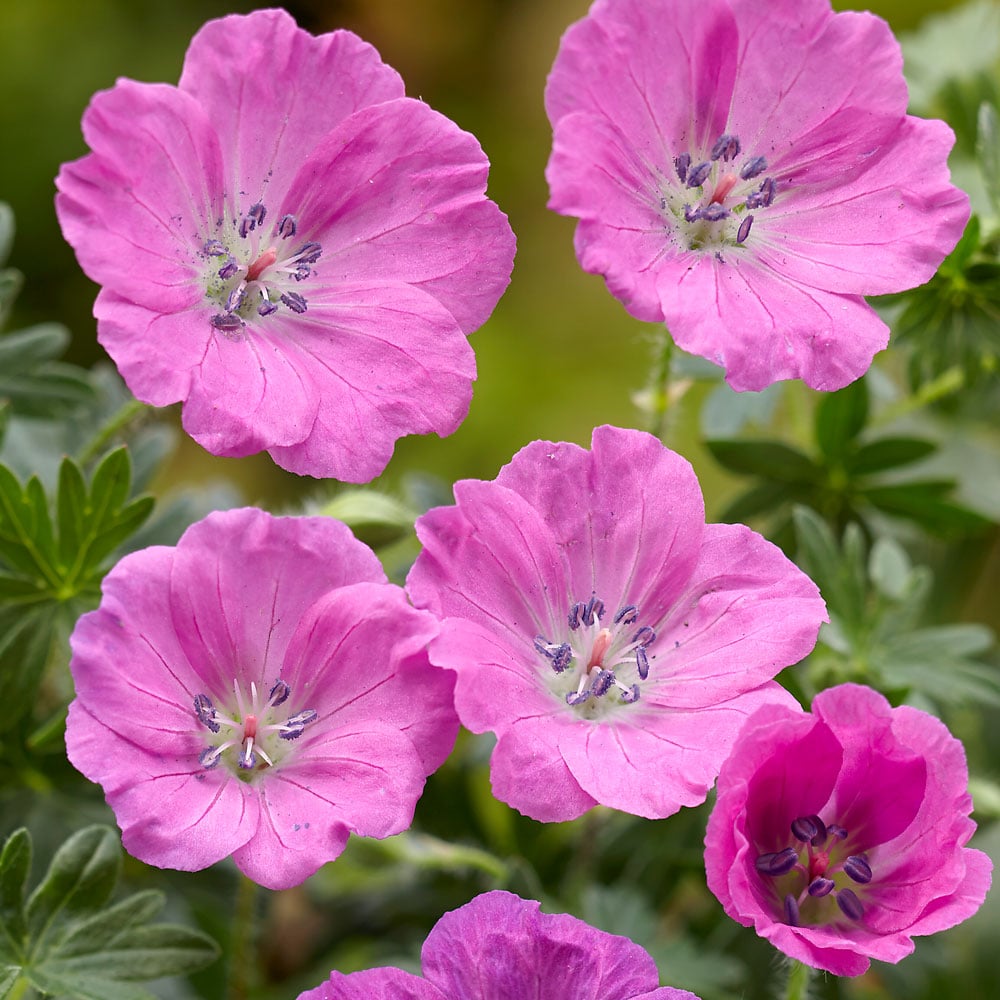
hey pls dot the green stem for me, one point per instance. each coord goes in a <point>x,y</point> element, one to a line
<point>797,987</point>
<point>19,989</point>
<point>243,940</point>
<point>658,386</point>
<point>125,413</point>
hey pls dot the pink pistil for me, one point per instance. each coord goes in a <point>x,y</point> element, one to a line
<point>262,263</point>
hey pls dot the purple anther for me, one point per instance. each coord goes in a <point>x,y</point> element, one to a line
<point>563,658</point>
<point>308,253</point>
<point>205,712</point>
<point>698,174</point>
<point>821,886</point>
<point>235,299</point>
<point>294,301</point>
<point>245,226</point>
<point>214,248</point>
<point>744,231</point>
<point>209,757</point>
<point>227,323</point>
<point>574,616</point>
<point>856,867</point>
<point>681,164</point>
<point>287,227</point>
<point>810,828</point>
<point>727,147</point>
<point>595,606</point>
<point>545,648</point>
<point>229,268</point>
<point>691,214</point>
<point>778,863</point>
<point>256,214</point>
<point>791,911</point>
<point>642,663</point>
<point>631,696</point>
<point>836,831</point>
<point>578,697</point>
<point>714,213</point>
<point>247,758</point>
<point>279,693</point>
<point>850,905</point>
<point>266,308</point>
<point>626,615</point>
<point>294,724</point>
<point>764,195</point>
<point>646,636</point>
<point>302,271</point>
<point>753,168</point>
<point>603,679</point>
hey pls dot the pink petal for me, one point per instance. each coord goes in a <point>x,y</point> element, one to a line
<point>374,984</point>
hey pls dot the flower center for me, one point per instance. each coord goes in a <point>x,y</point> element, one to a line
<point>253,732</point>
<point>816,869</point>
<point>589,663</point>
<point>711,201</point>
<point>252,269</point>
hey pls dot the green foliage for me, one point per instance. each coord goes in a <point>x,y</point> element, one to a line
<point>876,635</point>
<point>845,478</point>
<point>66,939</point>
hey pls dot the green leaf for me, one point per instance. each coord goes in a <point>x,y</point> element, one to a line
<point>768,459</point>
<point>6,231</point>
<point>840,418</point>
<point>26,638</point>
<point>22,351</point>
<point>988,151</point>
<point>10,975</point>
<point>923,502</point>
<point>15,864</point>
<point>80,879</point>
<point>888,453</point>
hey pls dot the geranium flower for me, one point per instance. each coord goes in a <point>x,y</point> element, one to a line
<point>287,245</point>
<point>499,945</point>
<point>613,641</point>
<point>840,835</point>
<point>258,691</point>
<point>747,175</point>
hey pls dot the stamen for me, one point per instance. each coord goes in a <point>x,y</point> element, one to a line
<point>810,828</point>
<point>682,164</point>
<point>778,863</point>
<point>287,227</point>
<point>294,301</point>
<point>753,168</point>
<point>629,695</point>
<point>791,911</point>
<point>209,757</point>
<point>714,213</point>
<point>727,147</point>
<point>235,299</point>
<point>205,711</point>
<point>227,323</point>
<point>309,253</point>
<point>574,615</point>
<point>214,248</point>
<point>603,679</point>
<point>645,636</point>
<point>642,663</point>
<point>594,606</point>
<point>266,308</point>
<point>850,905</point>
<point>292,729</point>
<point>577,697</point>
<point>856,867</point>
<point>837,831</point>
<point>698,174</point>
<point>279,693</point>
<point>229,268</point>
<point>764,195</point>
<point>821,886</point>
<point>247,759</point>
<point>744,231</point>
<point>626,615</point>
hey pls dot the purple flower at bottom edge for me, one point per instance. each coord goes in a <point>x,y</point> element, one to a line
<point>613,641</point>
<point>287,245</point>
<point>747,174</point>
<point>501,945</point>
<point>258,691</point>
<point>840,834</point>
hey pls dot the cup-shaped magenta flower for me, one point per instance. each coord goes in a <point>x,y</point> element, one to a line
<point>747,174</point>
<point>258,691</point>
<point>499,945</point>
<point>613,640</point>
<point>288,245</point>
<point>839,835</point>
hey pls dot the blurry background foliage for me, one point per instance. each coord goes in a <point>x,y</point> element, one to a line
<point>888,493</point>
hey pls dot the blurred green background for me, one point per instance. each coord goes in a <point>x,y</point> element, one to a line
<point>559,356</point>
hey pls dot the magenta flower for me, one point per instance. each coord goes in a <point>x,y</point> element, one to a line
<point>840,835</point>
<point>499,945</point>
<point>746,176</point>
<point>258,691</point>
<point>613,641</point>
<point>287,245</point>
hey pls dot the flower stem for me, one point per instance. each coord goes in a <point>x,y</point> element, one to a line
<point>243,939</point>
<point>657,393</point>
<point>797,987</point>
<point>111,427</point>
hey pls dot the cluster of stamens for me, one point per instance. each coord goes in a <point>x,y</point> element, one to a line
<point>817,873</point>
<point>595,654</point>
<point>254,728</point>
<point>255,270</point>
<point>715,199</point>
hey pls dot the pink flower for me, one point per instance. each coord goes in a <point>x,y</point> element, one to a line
<point>613,641</point>
<point>499,945</point>
<point>258,691</point>
<point>746,175</point>
<point>839,835</point>
<point>288,245</point>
